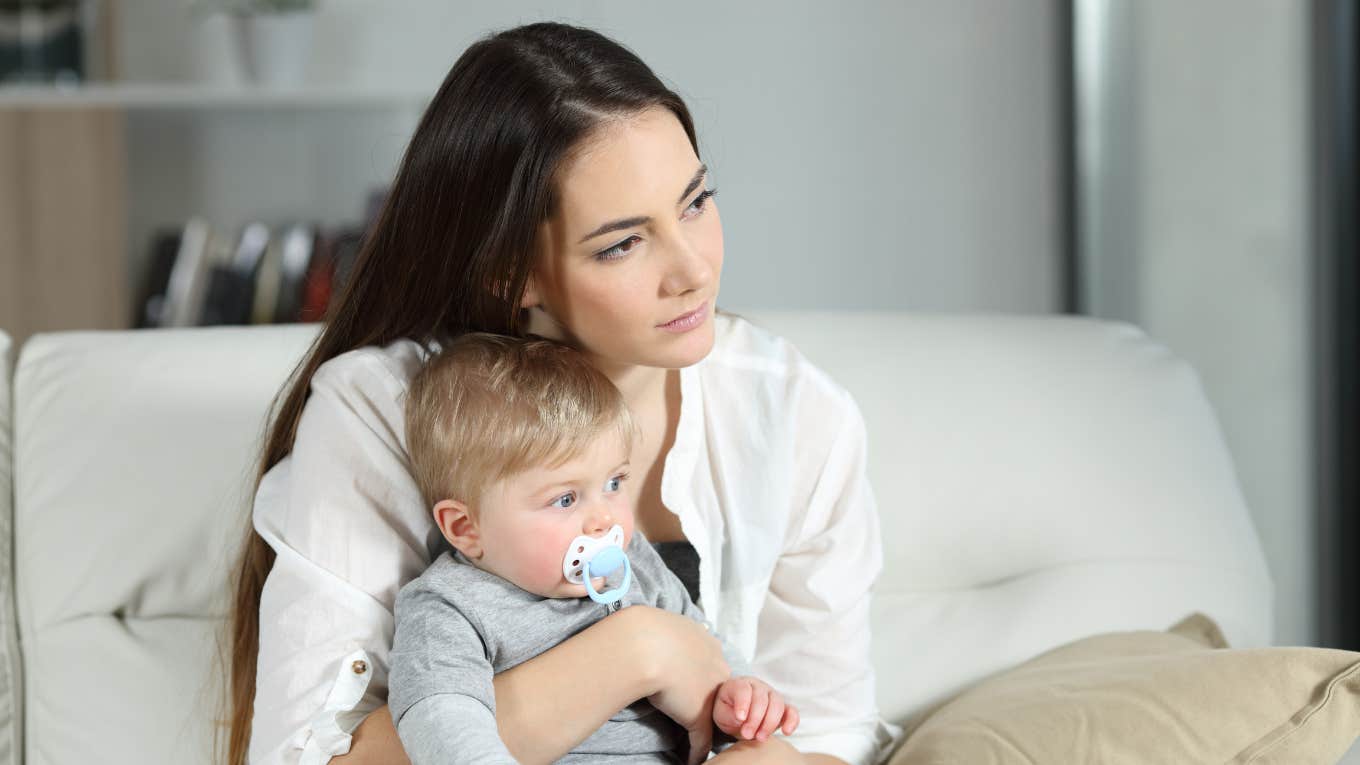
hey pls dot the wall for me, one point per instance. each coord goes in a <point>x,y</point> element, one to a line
<point>869,155</point>
<point>1205,240</point>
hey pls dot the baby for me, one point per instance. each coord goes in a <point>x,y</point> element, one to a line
<point>520,447</point>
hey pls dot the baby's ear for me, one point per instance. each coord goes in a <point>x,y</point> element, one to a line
<point>457,526</point>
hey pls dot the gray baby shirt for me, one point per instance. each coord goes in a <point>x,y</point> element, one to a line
<point>457,626</point>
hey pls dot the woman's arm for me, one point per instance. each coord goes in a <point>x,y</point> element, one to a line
<point>374,742</point>
<point>638,652</point>
<point>814,625</point>
<point>531,698</point>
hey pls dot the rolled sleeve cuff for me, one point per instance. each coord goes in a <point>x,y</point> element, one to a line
<point>331,726</point>
<point>868,744</point>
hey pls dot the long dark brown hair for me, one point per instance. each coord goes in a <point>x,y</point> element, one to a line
<point>453,246</point>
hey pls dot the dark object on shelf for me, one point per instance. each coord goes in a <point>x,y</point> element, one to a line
<point>298,244</point>
<point>316,286</point>
<point>231,285</point>
<point>228,298</point>
<point>347,246</point>
<point>288,274</point>
<point>188,278</point>
<point>149,307</point>
<point>41,41</point>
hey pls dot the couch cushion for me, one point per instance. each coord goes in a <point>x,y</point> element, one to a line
<point>1152,697</point>
<point>134,462</point>
<point>10,676</point>
<point>1039,479</point>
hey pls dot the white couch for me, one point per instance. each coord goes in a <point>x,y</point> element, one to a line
<point>1039,479</point>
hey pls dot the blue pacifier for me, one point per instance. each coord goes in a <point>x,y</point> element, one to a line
<point>589,557</point>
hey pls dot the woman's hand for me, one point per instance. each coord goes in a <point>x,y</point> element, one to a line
<point>687,668</point>
<point>747,707</point>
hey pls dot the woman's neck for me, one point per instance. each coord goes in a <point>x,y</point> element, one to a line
<point>641,386</point>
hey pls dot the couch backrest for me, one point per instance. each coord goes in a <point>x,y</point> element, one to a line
<point>134,458</point>
<point>11,734</point>
<point>1038,479</point>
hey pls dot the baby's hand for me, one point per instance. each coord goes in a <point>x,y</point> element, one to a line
<point>746,707</point>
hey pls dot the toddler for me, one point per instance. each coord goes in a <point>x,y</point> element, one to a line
<point>520,448</point>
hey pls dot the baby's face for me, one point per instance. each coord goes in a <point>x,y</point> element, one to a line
<point>527,521</point>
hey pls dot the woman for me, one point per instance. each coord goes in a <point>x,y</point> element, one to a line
<point>554,186</point>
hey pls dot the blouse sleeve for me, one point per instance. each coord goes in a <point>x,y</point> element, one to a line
<point>814,625</point>
<point>346,521</point>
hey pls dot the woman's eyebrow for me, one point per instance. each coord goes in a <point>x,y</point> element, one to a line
<point>642,219</point>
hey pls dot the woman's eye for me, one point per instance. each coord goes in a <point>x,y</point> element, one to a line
<point>699,204</point>
<point>617,251</point>
<point>565,501</point>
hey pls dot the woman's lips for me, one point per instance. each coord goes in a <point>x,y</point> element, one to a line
<point>686,322</point>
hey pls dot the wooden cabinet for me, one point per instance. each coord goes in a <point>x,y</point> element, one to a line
<point>63,251</point>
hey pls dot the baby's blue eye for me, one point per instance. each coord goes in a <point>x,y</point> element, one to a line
<point>613,484</point>
<point>564,501</point>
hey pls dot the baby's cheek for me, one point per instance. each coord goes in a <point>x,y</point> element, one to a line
<point>547,555</point>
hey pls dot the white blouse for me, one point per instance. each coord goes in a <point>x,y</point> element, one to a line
<point>767,476</point>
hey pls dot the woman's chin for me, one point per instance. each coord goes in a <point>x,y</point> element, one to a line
<point>688,349</point>
<point>665,352</point>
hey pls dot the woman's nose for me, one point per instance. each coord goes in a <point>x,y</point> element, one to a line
<point>687,271</point>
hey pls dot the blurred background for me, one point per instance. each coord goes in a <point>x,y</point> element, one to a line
<point>1187,167</point>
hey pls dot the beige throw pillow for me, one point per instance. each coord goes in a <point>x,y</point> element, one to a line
<point>1179,696</point>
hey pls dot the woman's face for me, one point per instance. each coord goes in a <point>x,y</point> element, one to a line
<point>635,245</point>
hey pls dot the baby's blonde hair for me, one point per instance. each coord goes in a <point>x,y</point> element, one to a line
<point>487,407</point>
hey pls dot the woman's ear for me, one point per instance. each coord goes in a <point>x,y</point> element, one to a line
<point>454,521</point>
<point>531,297</point>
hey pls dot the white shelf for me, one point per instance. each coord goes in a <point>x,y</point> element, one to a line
<point>204,96</point>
